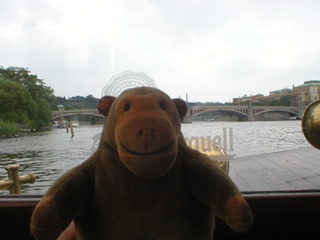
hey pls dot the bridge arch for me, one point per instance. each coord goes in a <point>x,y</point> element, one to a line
<point>275,114</point>
<point>74,114</point>
<point>241,116</point>
<point>276,110</point>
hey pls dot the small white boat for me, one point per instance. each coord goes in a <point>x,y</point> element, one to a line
<point>75,122</point>
<point>62,123</point>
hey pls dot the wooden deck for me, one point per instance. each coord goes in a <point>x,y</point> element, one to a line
<point>288,170</point>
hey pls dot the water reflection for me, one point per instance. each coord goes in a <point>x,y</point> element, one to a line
<point>50,153</point>
<point>47,154</point>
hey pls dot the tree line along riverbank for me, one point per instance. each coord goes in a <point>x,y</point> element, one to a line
<point>27,103</point>
<point>10,130</point>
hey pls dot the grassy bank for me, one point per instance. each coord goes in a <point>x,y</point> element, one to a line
<point>8,128</point>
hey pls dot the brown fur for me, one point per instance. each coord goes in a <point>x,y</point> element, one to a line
<point>143,182</point>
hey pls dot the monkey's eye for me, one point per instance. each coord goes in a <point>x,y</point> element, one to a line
<point>127,107</point>
<point>163,106</point>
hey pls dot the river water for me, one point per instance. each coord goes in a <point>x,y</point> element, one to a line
<point>50,153</point>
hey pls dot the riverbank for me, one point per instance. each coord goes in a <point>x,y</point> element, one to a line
<point>12,130</point>
<point>18,134</point>
<point>8,129</point>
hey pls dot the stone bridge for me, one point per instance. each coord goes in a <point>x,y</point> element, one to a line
<point>56,115</point>
<point>244,113</point>
<point>66,113</point>
<point>247,113</point>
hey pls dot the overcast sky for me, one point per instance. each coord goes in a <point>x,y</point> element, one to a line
<point>213,50</point>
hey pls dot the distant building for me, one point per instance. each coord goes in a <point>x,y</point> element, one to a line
<point>258,97</point>
<point>299,96</point>
<point>60,107</point>
<point>281,92</point>
<point>276,95</point>
<point>246,98</point>
<point>305,93</point>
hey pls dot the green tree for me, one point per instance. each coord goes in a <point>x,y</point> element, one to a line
<point>43,115</point>
<point>285,100</point>
<point>36,86</point>
<point>25,98</point>
<point>78,102</point>
<point>16,102</point>
<point>274,102</point>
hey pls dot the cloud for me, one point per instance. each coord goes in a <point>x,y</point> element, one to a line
<point>212,50</point>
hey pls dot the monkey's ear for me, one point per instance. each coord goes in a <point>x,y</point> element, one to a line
<point>104,104</point>
<point>181,106</point>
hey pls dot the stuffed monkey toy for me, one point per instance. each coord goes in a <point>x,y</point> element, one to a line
<point>143,182</point>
